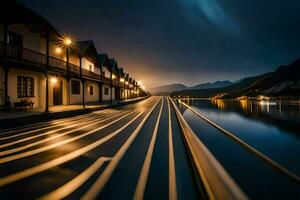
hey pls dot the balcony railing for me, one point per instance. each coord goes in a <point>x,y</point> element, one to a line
<point>23,54</point>
<point>115,82</point>
<point>57,63</point>
<point>74,68</point>
<point>33,57</point>
<point>106,80</point>
<point>90,74</point>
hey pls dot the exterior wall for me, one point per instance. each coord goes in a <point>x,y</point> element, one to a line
<point>75,98</point>
<point>122,91</point>
<point>95,96</point>
<point>32,41</point>
<point>113,93</point>
<point>1,85</point>
<point>104,96</point>
<point>97,70</point>
<point>73,59</point>
<point>125,93</point>
<point>86,64</point>
<point>106,71</point>
<point>39,87</point>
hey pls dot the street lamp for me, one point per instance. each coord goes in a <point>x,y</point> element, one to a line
<point>53,80</point>
<point>67,41</point>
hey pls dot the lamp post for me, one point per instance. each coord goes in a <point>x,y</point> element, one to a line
<point>67,43</point>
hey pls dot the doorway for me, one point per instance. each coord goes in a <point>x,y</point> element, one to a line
<point>57,93</point>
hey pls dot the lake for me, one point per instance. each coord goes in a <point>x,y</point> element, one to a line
<point>271,127</point>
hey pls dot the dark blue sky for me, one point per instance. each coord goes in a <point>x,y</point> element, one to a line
<point>186,41</point>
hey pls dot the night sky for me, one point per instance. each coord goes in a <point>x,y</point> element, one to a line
<point>183,41</point>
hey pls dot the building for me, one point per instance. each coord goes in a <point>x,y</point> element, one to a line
<point>122,83</point>
<point>107,92</point>
<point>42,68</point>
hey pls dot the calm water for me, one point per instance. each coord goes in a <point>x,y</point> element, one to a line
<point>271,127</point>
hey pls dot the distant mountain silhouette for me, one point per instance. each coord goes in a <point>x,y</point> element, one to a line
<point>207,93</point>
<point>209,85</point>
<point>284,83</point>
<point>167,89</point>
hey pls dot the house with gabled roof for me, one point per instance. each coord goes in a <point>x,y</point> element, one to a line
<point>89,74</point>
<point>106,77</point>
<point>115,79</point>
<point>41,68</point>
<point>126,86</point>
<point>122,83</point>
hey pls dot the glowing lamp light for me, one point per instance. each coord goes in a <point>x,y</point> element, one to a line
<point>113,76</point>
<point>58,50</point>
<point>126,82</point>
<point>122,80</point>
<point>68,41</point>
<point>53,80</point>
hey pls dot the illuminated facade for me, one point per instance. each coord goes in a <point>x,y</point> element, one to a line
<point>43,68</point>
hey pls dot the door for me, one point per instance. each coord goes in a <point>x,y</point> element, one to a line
<point>57,94</point>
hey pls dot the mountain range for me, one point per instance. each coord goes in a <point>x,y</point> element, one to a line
<point>282,83</point>
<point>167,89</point>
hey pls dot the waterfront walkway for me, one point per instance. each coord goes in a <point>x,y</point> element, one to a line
<point>130,151</point>
<point>56,109</point>
<point>144,150</point>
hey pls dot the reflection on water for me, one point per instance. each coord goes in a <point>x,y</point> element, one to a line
<point>284,114</point>
<point>289,109</point>
<point>271,127</point>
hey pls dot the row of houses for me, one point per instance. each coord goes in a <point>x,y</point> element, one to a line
<point>45,68</point>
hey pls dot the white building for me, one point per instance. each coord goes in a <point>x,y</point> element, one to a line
<point>42,68</point>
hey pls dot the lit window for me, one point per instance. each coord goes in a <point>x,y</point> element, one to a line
<point>91,90</point>
<point>25,86</point>
<point>91,68</point>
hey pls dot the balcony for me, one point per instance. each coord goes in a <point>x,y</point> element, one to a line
<point>106,80</point>
<point>90,74</point>
<point>57,63</point>
<point>23,54</point>
<point>32,57</point>
<point>115,82</point>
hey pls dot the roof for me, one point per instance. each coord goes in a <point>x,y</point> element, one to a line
<point>114,65</point>
<point>103,59</point>
<point>86,49</point>
<point>14,12</point>
<point>121,72</point>
<point>126,76</point>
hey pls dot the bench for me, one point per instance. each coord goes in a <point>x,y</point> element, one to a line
<point>23,105</point>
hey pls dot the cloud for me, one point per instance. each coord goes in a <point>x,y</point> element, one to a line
<point>215,14</point>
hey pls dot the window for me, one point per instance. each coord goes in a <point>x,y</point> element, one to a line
<point>91,68</point>
<point>91,90</point>
<point>15,39</point>
<point>106,91</point>
<point>75,86</point>
<point>25,86</point>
